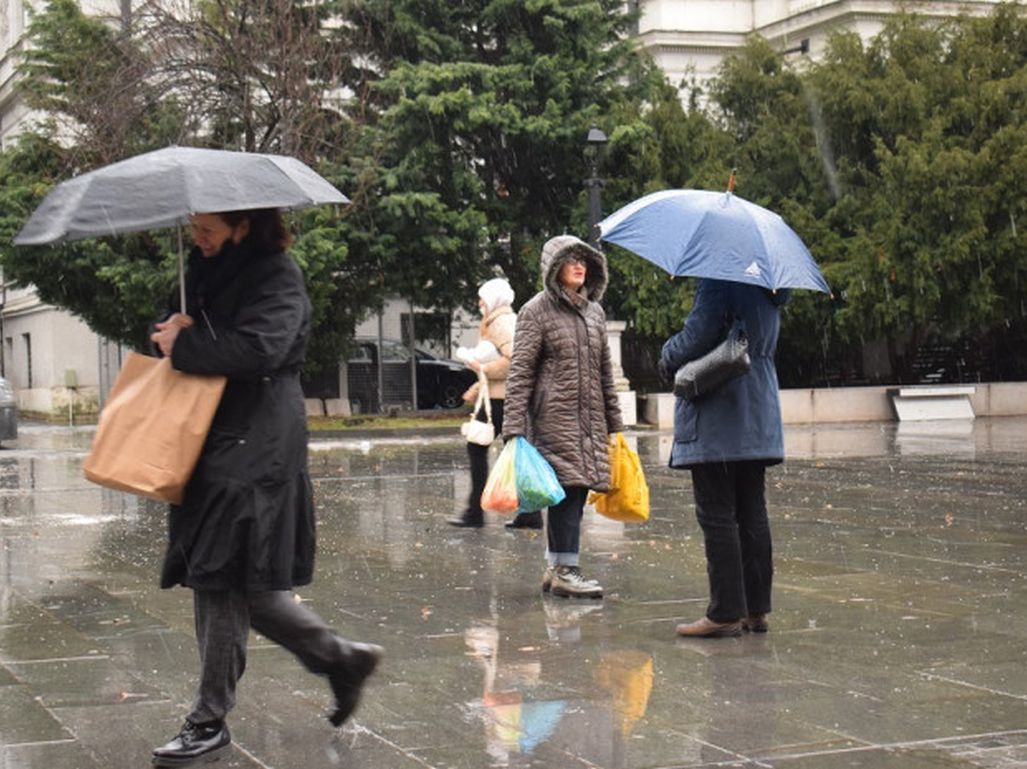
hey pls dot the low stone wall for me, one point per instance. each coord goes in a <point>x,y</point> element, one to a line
<point>836,404</point>
<point>1000,399</point>
<point>52,402</point>
<point>872,404</point>
<point>854,404</point>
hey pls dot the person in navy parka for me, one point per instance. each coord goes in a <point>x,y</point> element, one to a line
<point>727,438</point>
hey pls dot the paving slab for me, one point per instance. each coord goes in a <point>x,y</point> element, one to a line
<point>896,638</point>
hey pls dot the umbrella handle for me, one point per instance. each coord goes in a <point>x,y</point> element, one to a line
<point>181,273</point>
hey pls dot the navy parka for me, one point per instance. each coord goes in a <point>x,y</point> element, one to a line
<point>741,420</point>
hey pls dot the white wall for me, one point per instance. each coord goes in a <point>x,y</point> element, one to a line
<point>390,320</point>
<point>12,113</point>
<point>463,329</point>
<point>690,37</point>
<point>14,22</point>
<point>697,15</point>
<point>59,342</point>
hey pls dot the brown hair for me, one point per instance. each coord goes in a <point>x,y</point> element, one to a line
<point>267,228</point>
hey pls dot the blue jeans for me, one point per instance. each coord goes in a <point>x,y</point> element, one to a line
<point>563,528</point>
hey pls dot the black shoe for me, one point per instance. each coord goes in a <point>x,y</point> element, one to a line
<point>471,519</point>
<point>755,623</point>
<point>360,660</point>
<point>196,742</point>
<point>525,521</point>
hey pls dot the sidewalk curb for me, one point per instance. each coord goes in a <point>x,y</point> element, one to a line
<point>426,432</point>
<point>384,432</point>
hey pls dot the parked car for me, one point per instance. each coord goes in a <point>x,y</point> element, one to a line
<point>440,383</point>
<point>8,412</point>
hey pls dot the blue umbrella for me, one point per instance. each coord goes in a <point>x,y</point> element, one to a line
<point>714,235</point>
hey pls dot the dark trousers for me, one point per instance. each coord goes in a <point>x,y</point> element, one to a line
<point>223,622</point>
<point>479,456</point>
<point>730,504</point>
<point>563,527</point>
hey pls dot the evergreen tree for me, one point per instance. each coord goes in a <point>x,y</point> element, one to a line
<point>235,75</point>
<point>484,109</point>
<point>928,123</point>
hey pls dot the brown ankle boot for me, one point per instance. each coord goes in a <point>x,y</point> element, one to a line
<point>707,628</point>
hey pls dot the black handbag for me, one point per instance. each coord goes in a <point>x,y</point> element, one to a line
<point>727,361</point>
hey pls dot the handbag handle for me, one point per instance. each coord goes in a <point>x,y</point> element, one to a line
<point>483,397</point>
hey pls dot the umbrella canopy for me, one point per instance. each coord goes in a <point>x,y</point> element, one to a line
<point>714,235</point>
<point>161,188</point>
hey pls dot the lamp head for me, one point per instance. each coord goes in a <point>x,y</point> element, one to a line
<point>596,138</point>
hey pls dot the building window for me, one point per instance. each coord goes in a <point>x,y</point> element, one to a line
<point>27,338</point>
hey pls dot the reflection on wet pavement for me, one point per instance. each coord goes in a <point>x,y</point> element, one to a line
<point>896,639</point>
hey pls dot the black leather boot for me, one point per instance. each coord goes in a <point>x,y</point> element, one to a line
<point>525,521</point>
<point>471,519</point>
<point>196,742</point>
<point>358,662</point>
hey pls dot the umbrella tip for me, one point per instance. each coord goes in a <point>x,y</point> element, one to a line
<point>731,180</point>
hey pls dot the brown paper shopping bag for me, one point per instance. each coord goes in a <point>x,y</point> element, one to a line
<point>152,428</point>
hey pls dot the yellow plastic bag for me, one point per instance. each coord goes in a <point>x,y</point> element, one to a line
<point>628,497</point>
<point>628,676</point>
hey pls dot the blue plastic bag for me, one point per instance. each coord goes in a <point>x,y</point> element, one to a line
<point>537,484</point>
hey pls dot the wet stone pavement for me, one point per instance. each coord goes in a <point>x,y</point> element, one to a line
<point>897,638</point>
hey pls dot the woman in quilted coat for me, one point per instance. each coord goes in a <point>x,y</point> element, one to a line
<point>560,396</point>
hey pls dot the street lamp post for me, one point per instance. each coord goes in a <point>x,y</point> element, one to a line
<point>593,147</point>
<point>614,328</point>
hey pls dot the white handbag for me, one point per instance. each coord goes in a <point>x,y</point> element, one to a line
<point>475,431</point>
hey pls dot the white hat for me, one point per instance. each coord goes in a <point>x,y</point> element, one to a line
<point>496,293</point>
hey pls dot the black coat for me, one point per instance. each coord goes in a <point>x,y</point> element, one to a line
<point>247,519</point>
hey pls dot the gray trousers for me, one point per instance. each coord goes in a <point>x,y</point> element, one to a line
<point>223,622</point>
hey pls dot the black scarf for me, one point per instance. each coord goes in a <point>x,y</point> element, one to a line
<point>207,276</point>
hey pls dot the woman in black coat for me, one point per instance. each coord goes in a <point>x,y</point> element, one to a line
<point>243,536</point>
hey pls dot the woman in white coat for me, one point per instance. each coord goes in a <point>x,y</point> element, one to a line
<point>496,335</point>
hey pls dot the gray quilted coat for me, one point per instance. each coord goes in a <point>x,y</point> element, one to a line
<point>559,392</point>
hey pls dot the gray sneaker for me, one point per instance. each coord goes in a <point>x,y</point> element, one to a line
<point>568,582</point>
<point>563,618</point>
<point>547,578</point>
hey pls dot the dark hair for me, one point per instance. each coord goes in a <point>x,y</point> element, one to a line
<point>267,229</point>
